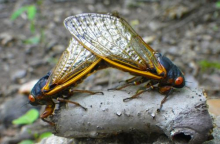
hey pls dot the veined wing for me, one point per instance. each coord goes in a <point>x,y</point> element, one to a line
<point>71,66</point>
<point>111,37</point>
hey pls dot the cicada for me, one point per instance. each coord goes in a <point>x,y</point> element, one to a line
<point>75,64</point>
<point>111,38</point>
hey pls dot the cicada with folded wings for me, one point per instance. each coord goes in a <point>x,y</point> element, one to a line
<point>111,38</point>
<point>75,64</point>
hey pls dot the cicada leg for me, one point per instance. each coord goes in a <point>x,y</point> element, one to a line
<point>133,79</point>
<point>68,101</point>
<point>49,109</point>
<point>83,91</point>
<point>130,82</point>
<point>136,95</point>
<point>164,90</point>
<point>121,87</point>
<point>71,92</point>
<point>147,87</point>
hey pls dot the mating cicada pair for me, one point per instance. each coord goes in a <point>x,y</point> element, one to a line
<point>100,41</point>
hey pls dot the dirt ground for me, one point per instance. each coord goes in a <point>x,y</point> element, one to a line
<point>187,32</point>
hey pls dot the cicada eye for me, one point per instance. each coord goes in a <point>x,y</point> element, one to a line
<point>31,98</point>
<point>179,81</point>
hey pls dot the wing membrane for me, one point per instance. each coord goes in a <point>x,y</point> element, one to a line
<point>74,60</point>
<point>111,37</point>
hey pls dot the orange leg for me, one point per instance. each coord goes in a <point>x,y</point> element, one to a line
<point>48,111</point>
<point>164,90</point>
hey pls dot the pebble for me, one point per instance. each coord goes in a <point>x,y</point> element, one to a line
<point>18,75</point>
<point>26,87</point>
<point>176,12</point>
<point>5,38</point>
<point>50,45</point>
<point>58,48</point>
<point>55,139</point>
<point>154,25</point>
<point>7,56</point>
<point>37,63</point>
<point>149,39</point>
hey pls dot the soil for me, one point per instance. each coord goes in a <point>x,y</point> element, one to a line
<point>185,31</point>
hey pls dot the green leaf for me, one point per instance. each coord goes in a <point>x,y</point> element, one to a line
<point>218,4</point>
<point>32,40</point>
<point>27,118</point>
<point>26,142</point>
<point>36,135</point>
<point>44,135</point>
<point>42,35</point>
<point>207,64</point>
<point>31,11</point>
<point>32,27</point>
<point>17,13</point>
<point>39,2</point>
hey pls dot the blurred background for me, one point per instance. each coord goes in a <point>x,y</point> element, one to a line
<point>32,38</point>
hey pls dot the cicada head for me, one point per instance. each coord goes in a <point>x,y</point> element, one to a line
<point>36,96</point>
<point>174,75</point>
<point>177,76</point>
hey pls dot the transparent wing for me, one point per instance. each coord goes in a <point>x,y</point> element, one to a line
<point>111,37</point>
<point>74,60</point>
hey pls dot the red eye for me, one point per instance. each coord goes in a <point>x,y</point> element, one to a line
<point>31,98</point>
<point>179,81</point>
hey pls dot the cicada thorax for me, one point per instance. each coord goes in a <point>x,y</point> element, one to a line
<point>174,76</point>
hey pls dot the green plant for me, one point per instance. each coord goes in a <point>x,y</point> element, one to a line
<point>32,40</point>
<point>204,64</point>
<point>26,142</point>
<point>39,138</point>
<point>31,11</point>
<point>28,118</point>
<point>45,135</point>
<point>218,4</point>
